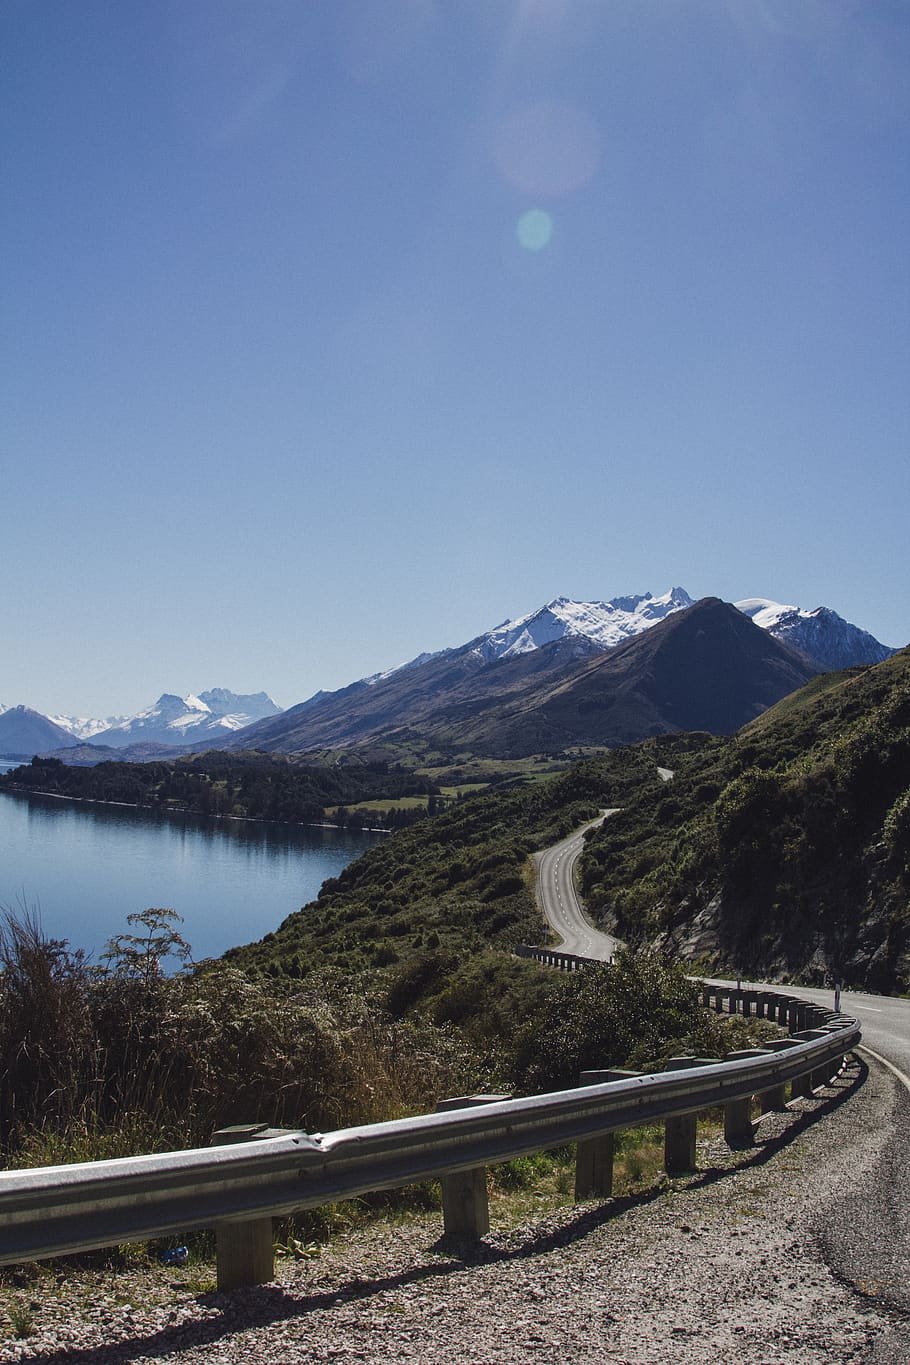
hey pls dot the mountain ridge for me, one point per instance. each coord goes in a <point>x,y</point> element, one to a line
<point>557,695</point>
<point>570,629</point>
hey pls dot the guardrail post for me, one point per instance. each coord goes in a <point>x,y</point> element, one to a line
<point>244,1252</point>
<point>805,1084</point>
<point>465,1206</point>
<point>775,1096</point>
<point>594,1156</point>
<point>680,1129</point>
<point>738,1113</point>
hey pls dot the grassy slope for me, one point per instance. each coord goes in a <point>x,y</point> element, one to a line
<point>459,881</point>
<point>790,842</point>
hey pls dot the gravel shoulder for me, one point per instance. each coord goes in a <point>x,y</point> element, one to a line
<point>762,1257</point>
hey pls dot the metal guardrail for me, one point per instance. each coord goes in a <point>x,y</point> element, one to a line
<point>60,1209</point>
<point>555,957</point>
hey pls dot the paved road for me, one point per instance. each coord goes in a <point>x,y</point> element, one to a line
<point>865,1230</point>
<point>885,1020</point>
<point>558,898</point>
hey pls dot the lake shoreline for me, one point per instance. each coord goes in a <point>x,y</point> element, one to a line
<point>15,790</point>
<point>85,865</point>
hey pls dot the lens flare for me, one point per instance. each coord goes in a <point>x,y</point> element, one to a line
<point>547,148</point>
<point>534,229</point>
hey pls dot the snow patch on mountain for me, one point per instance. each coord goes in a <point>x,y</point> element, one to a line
<point>825,638</point>
<point>604,624</point>
<point>191,719</point>
<point>399,668</point>
<point>84,727</point>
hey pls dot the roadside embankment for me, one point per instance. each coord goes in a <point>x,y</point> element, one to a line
<point>747,1259</point>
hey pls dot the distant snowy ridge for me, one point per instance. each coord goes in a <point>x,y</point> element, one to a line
<point>186,720</point>
<point>83,727</point>
<point>604,624</point>
<point>826,638</point>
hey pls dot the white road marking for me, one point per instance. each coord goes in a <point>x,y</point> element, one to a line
<point>901,1076</point>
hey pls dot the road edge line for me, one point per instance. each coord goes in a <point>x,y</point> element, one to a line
<point>901,1076</point>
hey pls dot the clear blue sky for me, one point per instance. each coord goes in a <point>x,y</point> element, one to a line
<point>333,332</point>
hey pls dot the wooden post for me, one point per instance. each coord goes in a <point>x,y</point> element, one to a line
<point>465,1206</point>
<point>804,1085</point>
<point>594,1156</point>
<point>738,1113</point>
<point>680,1130</point>
<point>801,1085</point>
<point>776,1097</point>
<point>244,1252</point>
<point>679,1143</point>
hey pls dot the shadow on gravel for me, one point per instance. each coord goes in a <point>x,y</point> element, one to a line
<point>246,1309</point>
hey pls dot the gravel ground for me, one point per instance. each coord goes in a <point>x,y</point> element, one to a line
<point>747,1261</point>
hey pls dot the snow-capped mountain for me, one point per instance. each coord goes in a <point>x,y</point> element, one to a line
<point>824,637</point>
<point>604,624</point>
<point>85,728</point>
<point>26,732</point>
<point>187,720</point>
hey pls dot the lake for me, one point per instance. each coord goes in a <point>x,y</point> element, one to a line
<point>84,867</point>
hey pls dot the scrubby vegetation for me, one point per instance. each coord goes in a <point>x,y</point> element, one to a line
<point>105,1061</point>
<point>462,882</point>
<point>784,850</point>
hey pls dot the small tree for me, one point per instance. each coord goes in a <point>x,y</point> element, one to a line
<point>139,956</point>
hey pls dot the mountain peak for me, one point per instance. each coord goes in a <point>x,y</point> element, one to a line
<point>24,731</point>
<point>600,624</point>
<point>821,635</point>
<point>204,719</point>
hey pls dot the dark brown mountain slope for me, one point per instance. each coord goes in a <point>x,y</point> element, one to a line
<point>706,668</point>
<point>407,699</point>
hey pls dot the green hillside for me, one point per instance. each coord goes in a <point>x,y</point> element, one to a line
<point>785,850</point>
<point>460,881</point>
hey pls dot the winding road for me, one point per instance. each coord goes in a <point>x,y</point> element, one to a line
<point>558,898</point>
<point>863,1231</point>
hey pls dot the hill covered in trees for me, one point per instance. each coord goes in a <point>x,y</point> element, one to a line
<point>246,786</point>
<point>783,850</point>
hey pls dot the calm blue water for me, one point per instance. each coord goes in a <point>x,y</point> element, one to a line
<point>86,867</point>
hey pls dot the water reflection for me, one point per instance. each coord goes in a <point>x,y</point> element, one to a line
<point>86,865</point>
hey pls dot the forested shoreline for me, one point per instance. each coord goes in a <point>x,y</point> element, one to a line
<point>247,787</point>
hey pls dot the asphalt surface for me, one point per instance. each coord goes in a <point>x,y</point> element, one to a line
<point>559,902</point>
<point>864,1230</point>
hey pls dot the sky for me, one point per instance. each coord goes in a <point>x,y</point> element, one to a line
<point>336,332</point>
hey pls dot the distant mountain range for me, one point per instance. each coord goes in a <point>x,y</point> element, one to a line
<point>824,637</point>
<point>701,667</point>
<point>170,725</point>
<point>563,675</point>
<point>24,732</point>
<point>199,721</point>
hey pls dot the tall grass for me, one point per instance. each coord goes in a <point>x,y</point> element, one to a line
<point>118,1059</point>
